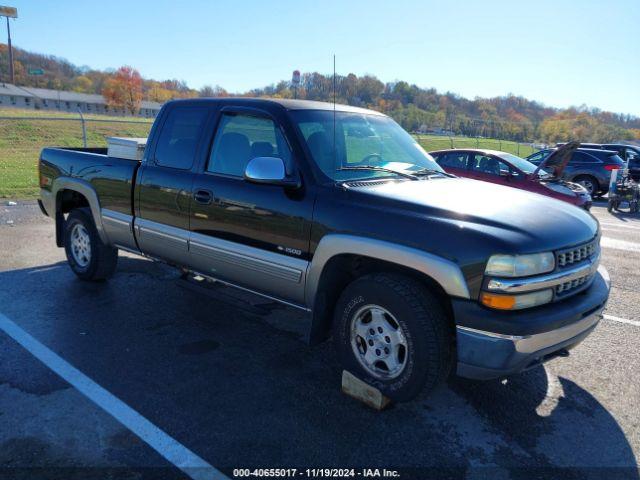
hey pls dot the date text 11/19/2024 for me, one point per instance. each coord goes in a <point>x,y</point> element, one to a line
<point>316,473</point>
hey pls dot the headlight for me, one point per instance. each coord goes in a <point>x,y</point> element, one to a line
<point>520,265</point>
<point>516,302</point>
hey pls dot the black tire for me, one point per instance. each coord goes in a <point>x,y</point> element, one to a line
<point>427,330</point>
<point>102,259</point>
<point>588,182</point>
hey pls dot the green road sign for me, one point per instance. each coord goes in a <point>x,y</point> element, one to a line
<point>36,71</point>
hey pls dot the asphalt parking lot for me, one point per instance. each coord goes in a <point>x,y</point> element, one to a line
<point>231,381</point>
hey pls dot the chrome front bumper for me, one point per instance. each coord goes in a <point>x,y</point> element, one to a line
<point>485,355</point>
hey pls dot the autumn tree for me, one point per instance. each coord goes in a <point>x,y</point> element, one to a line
<point>155,92</point>
<point>209,91</point>
<point>82,84</point>
<point>124,90</point>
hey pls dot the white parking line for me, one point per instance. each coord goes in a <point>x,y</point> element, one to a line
<point>619,225</point>
<point>622,320</point>
<point>608,242</point>
<point>173,451</point>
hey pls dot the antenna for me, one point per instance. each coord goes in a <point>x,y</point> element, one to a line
<point>335,150</point>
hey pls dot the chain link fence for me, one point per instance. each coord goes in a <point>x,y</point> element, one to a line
<point>24,134</point>
<point>442,142</point>
<point>22,137</point>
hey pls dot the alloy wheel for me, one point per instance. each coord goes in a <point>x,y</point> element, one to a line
<point>378,342</point>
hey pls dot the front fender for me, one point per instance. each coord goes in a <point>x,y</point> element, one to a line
<point>445,272</point>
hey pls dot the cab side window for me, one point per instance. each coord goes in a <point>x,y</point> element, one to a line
<point>179,136</point>
<point>489,165</point>
<point>453,160</point>
<point>242,137</point>
<point>581,157</point>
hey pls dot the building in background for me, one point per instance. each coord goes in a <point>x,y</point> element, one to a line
<point>12,96</point>
<point>64,101</point>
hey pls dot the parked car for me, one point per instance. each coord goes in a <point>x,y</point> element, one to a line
<point>628,153</point>
<point>506,169</point>
<point>414,272</point>
<point>589,167</point>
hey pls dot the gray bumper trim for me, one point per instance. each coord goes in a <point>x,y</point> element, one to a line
<point>539,341</point>
<point>490,356</point>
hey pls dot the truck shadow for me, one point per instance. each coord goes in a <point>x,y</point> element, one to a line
<point>552,421</point>
<point>241,388</point>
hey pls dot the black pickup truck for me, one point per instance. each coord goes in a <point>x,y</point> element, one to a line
<point>337,211</point>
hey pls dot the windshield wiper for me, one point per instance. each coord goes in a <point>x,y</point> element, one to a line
<point>380,169</point>
<point>431,171</point>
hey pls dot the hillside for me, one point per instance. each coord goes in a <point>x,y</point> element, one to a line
<point>508,117</point>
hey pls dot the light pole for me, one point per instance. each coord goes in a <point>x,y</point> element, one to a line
<point>9,12</point>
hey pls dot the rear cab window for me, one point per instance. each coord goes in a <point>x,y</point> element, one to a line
<point>178,138</point>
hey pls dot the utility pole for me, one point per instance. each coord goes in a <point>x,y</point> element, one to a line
<point>12,75</point>
<point>9,12</point>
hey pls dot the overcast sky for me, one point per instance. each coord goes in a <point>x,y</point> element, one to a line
<point>559,52</point>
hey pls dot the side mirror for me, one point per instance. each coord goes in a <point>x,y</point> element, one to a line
<point>270,171</point>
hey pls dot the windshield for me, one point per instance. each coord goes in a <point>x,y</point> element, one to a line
<point>521,164</point>
<point>366,146</point>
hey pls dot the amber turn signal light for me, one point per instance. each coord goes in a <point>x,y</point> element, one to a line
<point>502,302</point>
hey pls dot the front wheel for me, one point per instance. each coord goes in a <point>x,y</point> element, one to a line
<point>88,256</point>
<point>392,333</point>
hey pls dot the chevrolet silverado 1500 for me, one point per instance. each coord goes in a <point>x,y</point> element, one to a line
<point>338,211</point>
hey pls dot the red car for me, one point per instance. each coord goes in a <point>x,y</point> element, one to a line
<point>507,169</point>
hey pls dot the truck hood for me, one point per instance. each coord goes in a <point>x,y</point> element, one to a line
<point>520,221</point>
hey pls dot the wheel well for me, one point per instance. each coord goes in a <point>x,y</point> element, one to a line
<point>587,175</point>
<point>66,200</point>
<point>341,270</point>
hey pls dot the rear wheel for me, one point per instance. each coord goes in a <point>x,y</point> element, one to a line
<point>88,256</point>
<point>589,183</point>
<point>392,333</point>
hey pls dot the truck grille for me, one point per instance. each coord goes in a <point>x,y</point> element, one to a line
<point>569,287</point>
<point>577,254</point>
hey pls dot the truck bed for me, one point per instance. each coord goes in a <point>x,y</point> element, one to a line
<point>112,178</point>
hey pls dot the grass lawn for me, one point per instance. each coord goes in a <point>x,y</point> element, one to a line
<point>22,139</point>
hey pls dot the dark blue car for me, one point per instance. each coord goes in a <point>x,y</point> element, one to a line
<point>590,167</point>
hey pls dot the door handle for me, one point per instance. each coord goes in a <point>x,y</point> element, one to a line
<point>203,196</point>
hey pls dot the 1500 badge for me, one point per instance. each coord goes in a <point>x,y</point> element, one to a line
<point>290,251</point>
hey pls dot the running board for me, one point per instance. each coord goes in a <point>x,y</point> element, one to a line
<point>225,294</point>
